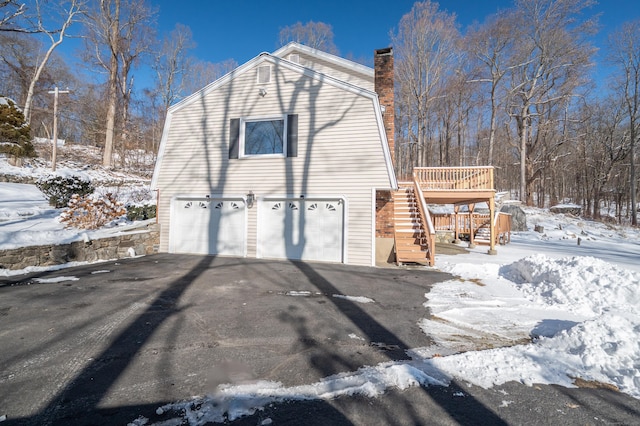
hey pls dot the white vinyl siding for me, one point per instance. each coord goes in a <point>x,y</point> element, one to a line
<point>339,152</point>
<point>338,72</point>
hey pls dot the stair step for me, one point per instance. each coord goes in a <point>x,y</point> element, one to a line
<point>408,224</point>
<point>412,241</point>
<point>409,237</point>
<point>411,253</point>
<point>412,258</point>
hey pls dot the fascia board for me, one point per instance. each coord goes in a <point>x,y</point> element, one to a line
<point>336,60</point>
<point>160,157</point>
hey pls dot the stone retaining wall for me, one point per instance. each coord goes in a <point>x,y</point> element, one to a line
<point>142,240</point>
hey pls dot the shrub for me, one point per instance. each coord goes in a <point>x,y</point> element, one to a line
<point>90,213</point>
<point>60,189</point>
<point>141,212</point>
<point>15,133</point>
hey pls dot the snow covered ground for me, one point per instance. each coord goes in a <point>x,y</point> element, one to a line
<point>27,219</point>
<point>552,307</point>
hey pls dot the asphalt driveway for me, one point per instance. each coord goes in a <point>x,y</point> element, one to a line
<point>166,327</point>
<point>105,343</point>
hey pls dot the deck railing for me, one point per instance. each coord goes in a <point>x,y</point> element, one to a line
<point>426,223</point>
<point>454,178</point>
<point>447,222</point>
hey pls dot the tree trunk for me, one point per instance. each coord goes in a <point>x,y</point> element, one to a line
<point>112,94</point>
<point>112,99</point>
<point>523,162</point>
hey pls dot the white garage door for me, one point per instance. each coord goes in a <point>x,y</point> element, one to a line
<point>301,229</point>
<point>208,226</point>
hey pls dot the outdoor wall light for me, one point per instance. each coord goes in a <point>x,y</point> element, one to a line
<point>251,198</point>
<point>262,91</point>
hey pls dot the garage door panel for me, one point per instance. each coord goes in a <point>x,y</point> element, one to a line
<point>302,229</point>
<point>209,226</point>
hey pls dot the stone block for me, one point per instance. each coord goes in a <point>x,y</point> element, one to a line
<point>518,217</point>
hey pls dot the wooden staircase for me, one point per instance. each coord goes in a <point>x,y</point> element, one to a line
<point>411,242</point>
<point>483,234</point>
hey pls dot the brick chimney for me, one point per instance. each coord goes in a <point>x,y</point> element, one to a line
<point>383,83</point>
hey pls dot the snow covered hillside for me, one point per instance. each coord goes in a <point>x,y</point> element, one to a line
<point>26,218</point>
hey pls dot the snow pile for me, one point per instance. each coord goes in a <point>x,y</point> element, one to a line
<point>580,284</point>
<point>603,348</point>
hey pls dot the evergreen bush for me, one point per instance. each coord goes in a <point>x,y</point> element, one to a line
<point>141,212</point>
<point>15,133</point>
<point>60,189</point>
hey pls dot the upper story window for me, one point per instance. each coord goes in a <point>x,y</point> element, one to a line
<point>264,74</point>
<point>294,57</point>
<point>269,136</point>
<point>263,136</point>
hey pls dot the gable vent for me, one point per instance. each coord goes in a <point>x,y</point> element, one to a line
<point>264,74</point>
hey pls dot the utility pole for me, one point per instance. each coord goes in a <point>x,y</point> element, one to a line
<point>54,151</point>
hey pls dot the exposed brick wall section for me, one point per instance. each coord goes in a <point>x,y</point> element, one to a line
<point>383,83</point>
<point>384,214</point>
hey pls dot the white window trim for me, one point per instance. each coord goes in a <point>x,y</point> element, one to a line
<point>244,120</point>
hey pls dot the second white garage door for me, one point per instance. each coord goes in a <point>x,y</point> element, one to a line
<point>301,229</point>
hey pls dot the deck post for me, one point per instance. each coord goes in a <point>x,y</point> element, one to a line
<point>456,224</point>
<point>492,227</point>
<point>471,207</point>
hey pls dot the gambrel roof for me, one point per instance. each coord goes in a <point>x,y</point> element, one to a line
<point>277,59</point>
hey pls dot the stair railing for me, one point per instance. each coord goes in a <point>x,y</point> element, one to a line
<point>426,224</point>
<point>503,227</point>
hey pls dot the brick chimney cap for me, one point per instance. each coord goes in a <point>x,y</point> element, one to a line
<point>384,51</point>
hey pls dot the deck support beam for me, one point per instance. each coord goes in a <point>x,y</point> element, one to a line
<point>492,226</point>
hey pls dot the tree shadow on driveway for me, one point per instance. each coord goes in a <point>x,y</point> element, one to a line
<point>78,402</point>
<point>393,347</point>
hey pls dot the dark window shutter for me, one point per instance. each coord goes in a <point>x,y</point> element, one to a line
<point>234,137</point>
<point>292,135</point>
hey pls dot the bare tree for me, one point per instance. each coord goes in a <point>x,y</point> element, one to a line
<point>552,54</point>
<point>425,45</point>
<point>492,46</point>
<point>10,12</point>
<point>316,35</point>
<point>69,11</point>
<point>172,63</point>
<point>202,73</point>
<point>18,57</point>
<point>605,147</point>
<point>119,33</point>
<point>625,55</point>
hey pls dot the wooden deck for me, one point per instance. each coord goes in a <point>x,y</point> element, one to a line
<point>455,185</point>
<point>451,185</point>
